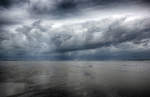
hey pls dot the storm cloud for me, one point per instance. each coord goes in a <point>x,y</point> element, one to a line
<point>129,31</point>
<point>74,29</point>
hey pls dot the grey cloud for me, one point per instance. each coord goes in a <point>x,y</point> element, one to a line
<point>69,8</point>
<point>112,34</point>
<point>4,21</point>
<point>19,37</point>
<point>38,39</point>
<point>67,4</point>
<point>60,9</point>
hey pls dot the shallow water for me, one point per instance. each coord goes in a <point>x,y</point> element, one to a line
<point>75,79</point>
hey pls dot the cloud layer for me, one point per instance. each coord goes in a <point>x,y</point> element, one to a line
<point>116,33</point>
<point>74,29</point>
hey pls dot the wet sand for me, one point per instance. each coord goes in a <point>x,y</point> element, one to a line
<point>75,79</point>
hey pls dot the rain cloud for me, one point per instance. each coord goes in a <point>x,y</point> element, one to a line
<point>74,29</point>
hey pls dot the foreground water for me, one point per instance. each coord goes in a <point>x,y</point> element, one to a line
<point>75,79</point>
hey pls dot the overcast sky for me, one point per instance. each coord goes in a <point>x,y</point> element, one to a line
<point>74,29</point>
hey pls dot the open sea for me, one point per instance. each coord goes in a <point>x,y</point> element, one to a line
<point>74,78</point>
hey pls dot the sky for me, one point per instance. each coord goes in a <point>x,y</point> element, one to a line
<point>74,29</point>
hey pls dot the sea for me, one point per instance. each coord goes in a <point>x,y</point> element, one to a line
<point>74,78</point>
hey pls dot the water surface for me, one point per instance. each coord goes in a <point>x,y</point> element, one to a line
<point>75,79</point>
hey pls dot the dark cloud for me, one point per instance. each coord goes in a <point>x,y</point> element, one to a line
<point>122,33</point>
<point>10,3</point>
<point>67,7</point>
<point>55,8</point>
<point>145,1</point>
<point>89,37</point>
<point>64,8</point>
<point>5,3</point>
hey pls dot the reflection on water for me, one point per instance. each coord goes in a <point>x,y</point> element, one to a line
<point>75,79</point>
